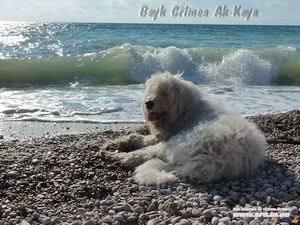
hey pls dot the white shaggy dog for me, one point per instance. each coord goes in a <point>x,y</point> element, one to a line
<point>191,137</point>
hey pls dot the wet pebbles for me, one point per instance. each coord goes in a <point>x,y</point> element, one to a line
<point>61,180</point>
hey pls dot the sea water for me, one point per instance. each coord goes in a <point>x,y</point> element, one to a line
<point>89,72</point>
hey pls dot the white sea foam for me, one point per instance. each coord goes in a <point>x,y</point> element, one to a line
<point>237,67</point>
<point>240,67</point>
<point>122,104</point>
<point>170,59</point>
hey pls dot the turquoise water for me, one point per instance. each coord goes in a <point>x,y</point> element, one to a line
<point>76,72</point>
<point>100,54</point>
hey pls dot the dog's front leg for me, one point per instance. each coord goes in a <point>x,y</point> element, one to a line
<point>137,157</point>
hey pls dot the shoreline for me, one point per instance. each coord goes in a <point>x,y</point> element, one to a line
<point>25,130</point>
<point>61,180</point>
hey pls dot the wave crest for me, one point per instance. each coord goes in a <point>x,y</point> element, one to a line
<point>240,67</point>
<point>130,64</point>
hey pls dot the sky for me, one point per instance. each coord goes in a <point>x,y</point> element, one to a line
<point>266,12</point>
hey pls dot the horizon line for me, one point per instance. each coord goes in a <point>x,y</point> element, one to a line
<point>145,23</point>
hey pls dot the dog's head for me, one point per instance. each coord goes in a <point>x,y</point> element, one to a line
<point>166,99</point>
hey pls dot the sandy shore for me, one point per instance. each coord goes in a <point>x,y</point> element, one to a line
<point>60,180</point>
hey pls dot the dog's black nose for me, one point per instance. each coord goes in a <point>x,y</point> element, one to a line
<point>149,104</point>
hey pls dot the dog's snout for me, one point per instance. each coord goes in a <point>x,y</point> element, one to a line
<point>149,104</point>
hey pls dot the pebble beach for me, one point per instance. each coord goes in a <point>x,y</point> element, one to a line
<point>62,180</point>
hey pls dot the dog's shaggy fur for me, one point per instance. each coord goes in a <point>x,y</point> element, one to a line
<point>190,137</point>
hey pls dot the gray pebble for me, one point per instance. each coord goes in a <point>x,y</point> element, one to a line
<point>90,222</point>
<point>81,210</point>
<point>35,161</point>
<point>189,204</point>
<point>222,223</point>
<point>267,186</point>
<point>24,222</point>
<point>112,212</point>
<point>183,223</point>
<point>195,204</point>
<point>188,213</point>
<point>128,207</point>
<point>253,203</point>
<point>288,183</point>
<point>143,189</point>
<point>225,219</point>
<point>235,196</point>
<point>286,220</point>
<point>269,190</point>
<point>176,219</point>
<point>236,188</point>
<point>243,201</point>
<point>179,189</point>
<point>13,214</point>
<point>297,184</point>
<point>13,174</point>
<point>55,220</point>
<point>47,221</point>
<point>147,199</point>
<point>143,217</point>
<point>215,220</point>
<point>207,213</point>
<point>289,173</point>
<point>151,222</point>
<point>131,219</point>
<point>260,195</point>
<point>294,211</point>
<point>134,188</point>
<point>131,180</point>
<point>152,207</point>
<point>295,189</point>
<point>214,212</point>
<point>283,188</point>
<point>118,217</point>
<point>225,190</point>
<point>71,218</point>
<point>12,221</point>
<point>197,212</point>
<point>139,209</point>
<point>217,198</point>
<point>107,219</point>
<point>171,207</point>
<point>96,218</point>
<point>254,222</point>
<point>196,223</point>
<point>294,203</point>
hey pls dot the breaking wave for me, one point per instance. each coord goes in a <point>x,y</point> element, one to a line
<point>130,64</point>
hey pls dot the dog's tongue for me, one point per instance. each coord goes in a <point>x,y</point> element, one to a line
<point>153,116</point>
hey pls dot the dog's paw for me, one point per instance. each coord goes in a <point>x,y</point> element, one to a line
<point>127,160</point>
<point>110,146</point>
<point>108,155</point>
<point>126,144</point>
<point>131,161</point>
